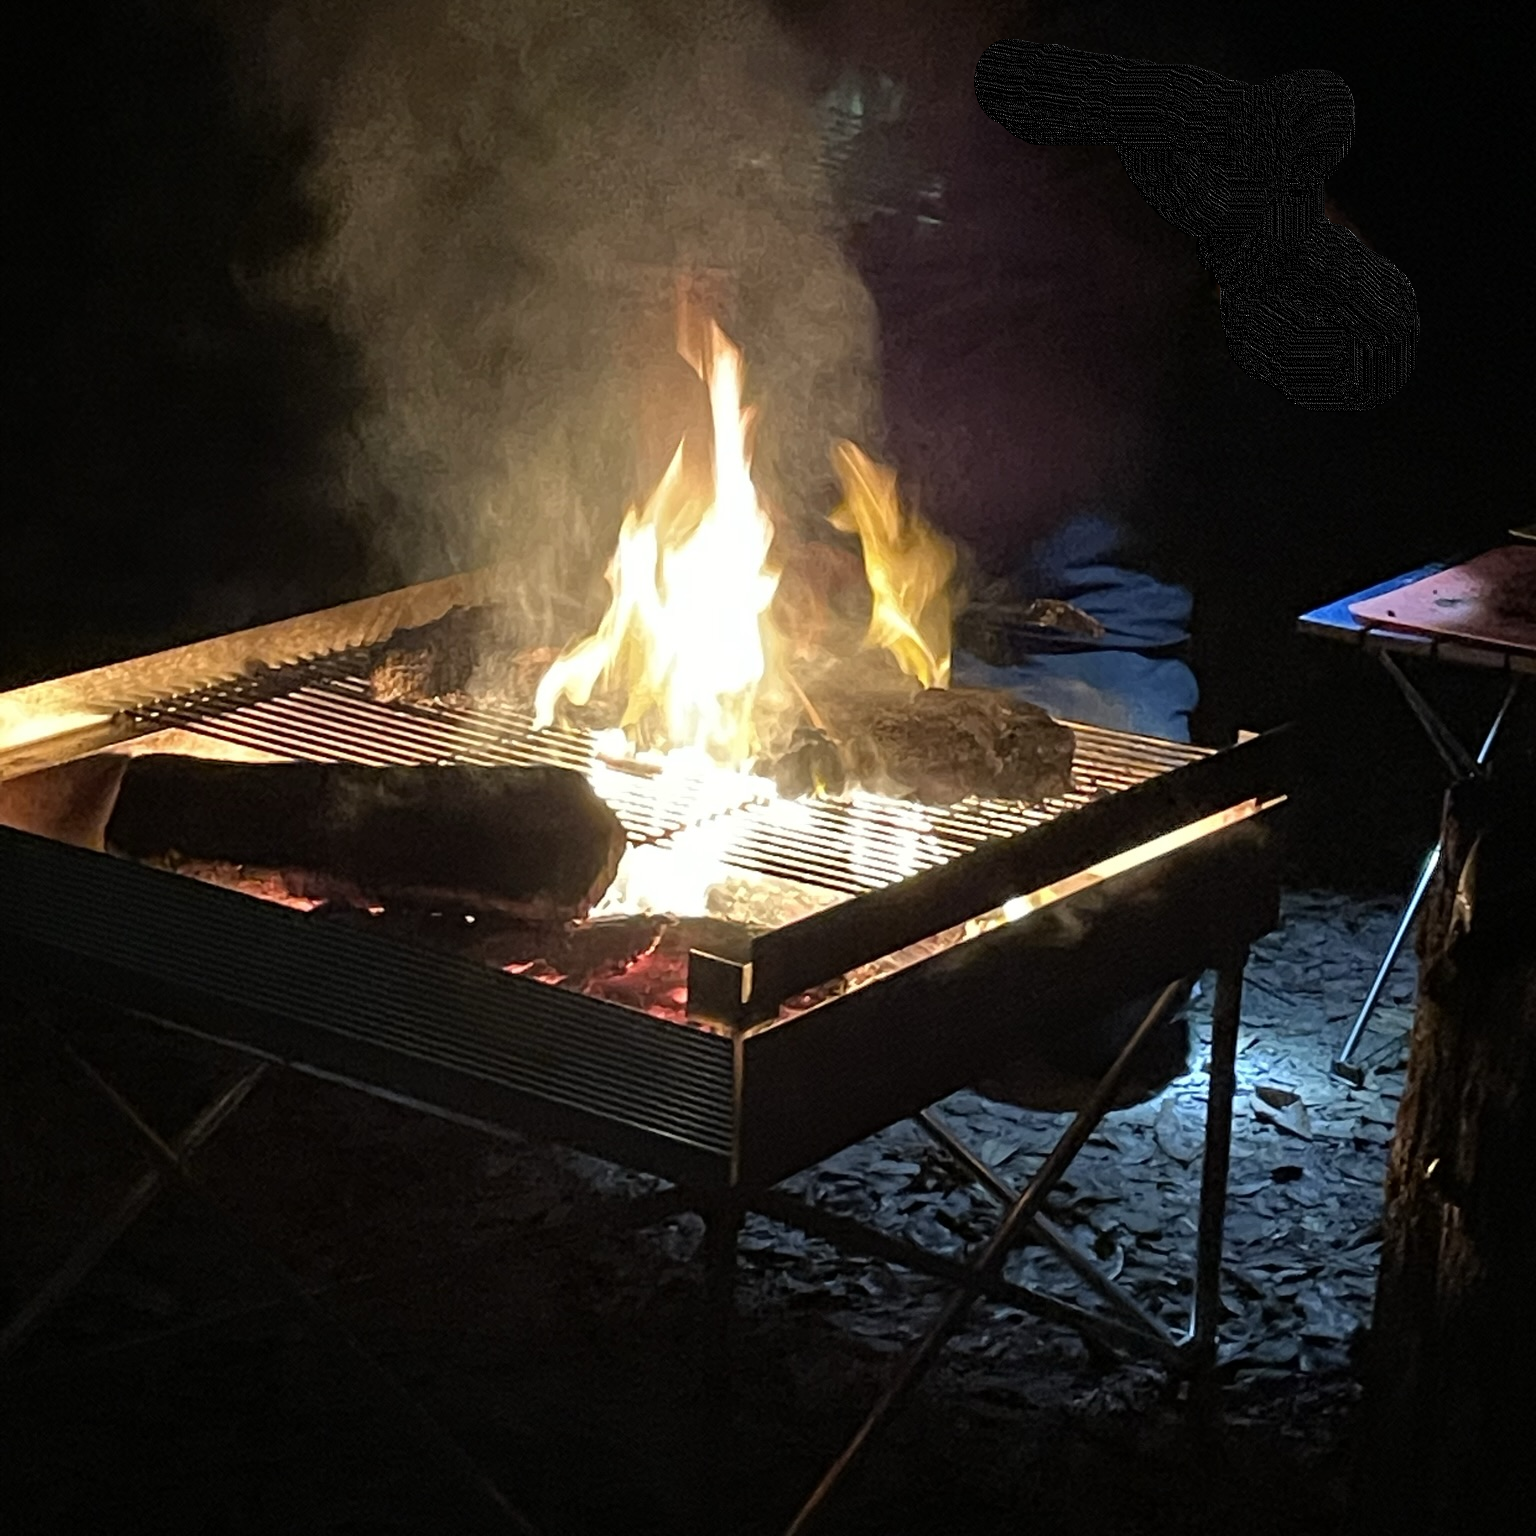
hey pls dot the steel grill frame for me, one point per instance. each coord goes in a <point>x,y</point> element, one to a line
<point>730,1104</point>
<point>923,861</point>
<point>747,1093</point>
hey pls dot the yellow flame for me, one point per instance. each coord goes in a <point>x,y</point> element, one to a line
<point>684,638</point>
<point>908,564</point>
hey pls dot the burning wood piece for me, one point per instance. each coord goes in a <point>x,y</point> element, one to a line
<point>641,962</point>
<point>812,764</point>
<point>937,745</point>
<point>432,662</point>
<point>535,843</point>
<point>424,675</point>
<point>462,655</point>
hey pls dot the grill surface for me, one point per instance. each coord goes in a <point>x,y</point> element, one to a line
<point>323,710</point>
<point>753,1093</point>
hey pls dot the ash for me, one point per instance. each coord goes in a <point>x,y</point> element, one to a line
<point>502,1285</point>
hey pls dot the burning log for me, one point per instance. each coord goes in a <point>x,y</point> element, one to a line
<point>433,662</point>
<point>937,745</point>
<point>535,843</point>
<point>466,654</point>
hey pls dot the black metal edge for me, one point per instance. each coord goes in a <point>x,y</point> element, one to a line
<point>804,954</point>
<point>357,1005</point>
<point>418,1085</point>
<point>880,1054</point>
<point>718,988</point>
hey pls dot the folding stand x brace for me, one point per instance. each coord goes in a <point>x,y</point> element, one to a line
<point>1126,1326</point>
<point>171,1167</point>
<point>981,1274</point>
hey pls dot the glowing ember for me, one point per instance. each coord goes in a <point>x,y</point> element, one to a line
<point>908,564</point>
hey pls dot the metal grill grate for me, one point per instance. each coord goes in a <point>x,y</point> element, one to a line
<point>324,711</point>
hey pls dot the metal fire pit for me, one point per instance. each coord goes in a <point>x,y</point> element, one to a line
<point>753,1087</point>
<point>749,1093</point>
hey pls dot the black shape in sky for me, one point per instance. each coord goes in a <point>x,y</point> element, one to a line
<point>1305,306</point>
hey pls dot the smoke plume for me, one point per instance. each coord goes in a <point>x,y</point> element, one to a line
<point>508,189</point>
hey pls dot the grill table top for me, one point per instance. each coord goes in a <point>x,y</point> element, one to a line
<point>324,711</point>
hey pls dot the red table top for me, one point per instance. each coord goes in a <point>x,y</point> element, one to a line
<point>1488,601</point>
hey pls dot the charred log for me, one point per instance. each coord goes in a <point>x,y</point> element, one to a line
<point>937,745</point>
<point>471,653</point>
<point>433,662</point>
<point>533,842</point>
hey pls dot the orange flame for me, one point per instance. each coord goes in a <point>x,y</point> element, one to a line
<point>688,642</point>
<point>909,566</point>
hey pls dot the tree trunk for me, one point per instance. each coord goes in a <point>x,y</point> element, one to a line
<point>1448,1444</point>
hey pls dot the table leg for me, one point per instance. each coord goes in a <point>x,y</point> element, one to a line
<point>1462,767</point>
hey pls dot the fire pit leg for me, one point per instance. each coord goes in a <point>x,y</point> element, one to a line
<point>722,1233</point>
<point>137,1199</point>
<point>990,1257</point>
<point>431,1435</point>
<point>1136,1316</point>
<point>1226,1014</point>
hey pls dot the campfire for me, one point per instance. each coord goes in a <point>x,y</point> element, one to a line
<point>748,793</point>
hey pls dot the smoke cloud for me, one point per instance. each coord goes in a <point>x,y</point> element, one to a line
<point>508,189</point>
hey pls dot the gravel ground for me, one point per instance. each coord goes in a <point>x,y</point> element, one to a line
<point>481,1312</point>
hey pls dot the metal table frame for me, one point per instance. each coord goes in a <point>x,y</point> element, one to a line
<point>1334,622</point>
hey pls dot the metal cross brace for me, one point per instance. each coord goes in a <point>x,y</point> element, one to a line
<point>139,1197</point>
<point>982,1272</point>
<point>171,1165</point>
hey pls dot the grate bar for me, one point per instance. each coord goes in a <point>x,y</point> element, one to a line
<point>323,711</point>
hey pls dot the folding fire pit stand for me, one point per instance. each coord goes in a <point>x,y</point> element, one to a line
<point>170,1164</point>
<point>1160,865</point>
<point>983,1269</point>
<point>1334,621</point>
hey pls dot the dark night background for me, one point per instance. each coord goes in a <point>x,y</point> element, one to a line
<point>169,440</point>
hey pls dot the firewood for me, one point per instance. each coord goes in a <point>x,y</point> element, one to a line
<point>534,842</point>
<point>937,745</point>
<point>433,662</point>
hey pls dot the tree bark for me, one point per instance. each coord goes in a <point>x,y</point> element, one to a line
<point>1447,1443</point>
